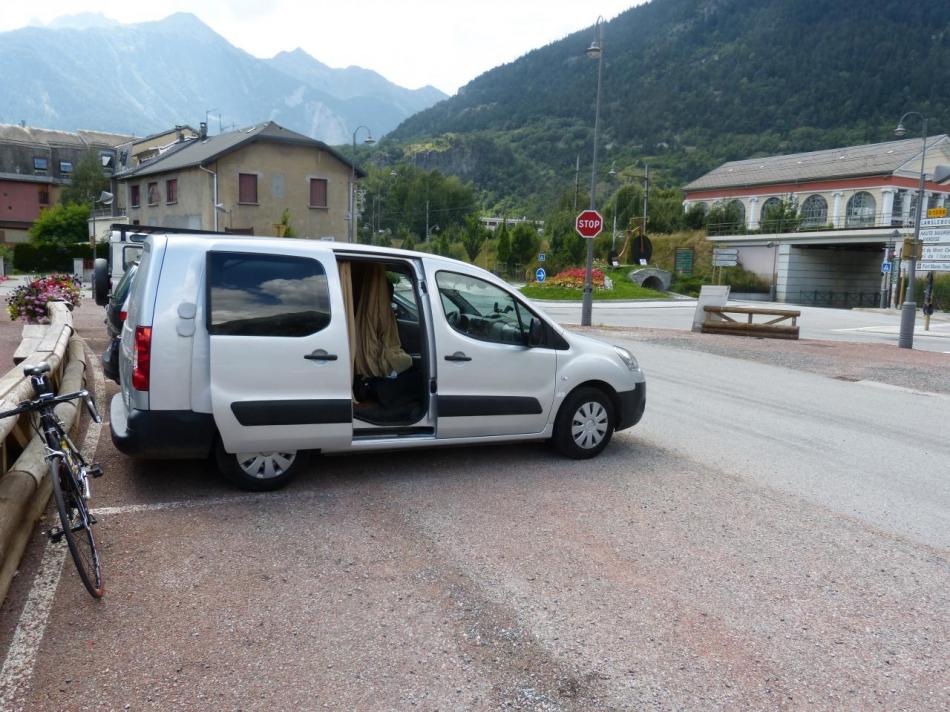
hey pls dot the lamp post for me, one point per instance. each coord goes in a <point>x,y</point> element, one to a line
<point>352,206</point>
<point>595,51</point>
<point>105,197</point>
<point>909,308</point>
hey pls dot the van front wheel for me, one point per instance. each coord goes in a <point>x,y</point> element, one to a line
<point>258,471</point>
<point>584,424</point>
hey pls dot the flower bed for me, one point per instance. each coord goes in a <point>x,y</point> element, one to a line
<point>574,278</point>
<point>30,302</point>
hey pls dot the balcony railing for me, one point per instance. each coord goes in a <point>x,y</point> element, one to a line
<point>869,221</point>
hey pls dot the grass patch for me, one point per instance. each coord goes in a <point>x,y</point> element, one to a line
<point>622,290</point>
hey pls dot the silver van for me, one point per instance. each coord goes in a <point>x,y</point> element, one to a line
<point>259,351</point>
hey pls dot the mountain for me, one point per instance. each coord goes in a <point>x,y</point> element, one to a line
<point>142,78</point>
<point>688,84</point>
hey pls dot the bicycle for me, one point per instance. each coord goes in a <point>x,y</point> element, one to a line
<point>69,474</point>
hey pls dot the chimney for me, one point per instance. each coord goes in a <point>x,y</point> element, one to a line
<point>180,133</point>
<point>203,130</point>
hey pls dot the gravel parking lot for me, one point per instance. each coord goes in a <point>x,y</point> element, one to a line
<point>713,557</point>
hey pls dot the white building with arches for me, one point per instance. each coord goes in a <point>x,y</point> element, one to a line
<point>849,205</point>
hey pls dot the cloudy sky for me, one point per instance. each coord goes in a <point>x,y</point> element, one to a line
<point>445,43</point>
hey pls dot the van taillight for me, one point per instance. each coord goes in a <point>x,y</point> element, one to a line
<point>141,357</point>
<point>123,315</point>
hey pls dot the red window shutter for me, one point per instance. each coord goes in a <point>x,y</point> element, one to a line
<point>247,188</point>
<point>318,192</point>
<point>134,196</point>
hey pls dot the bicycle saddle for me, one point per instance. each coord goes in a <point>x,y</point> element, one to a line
<point>36,370</point>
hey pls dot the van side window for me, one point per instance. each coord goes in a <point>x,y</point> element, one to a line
<point>266,295</point>
<point>481,310</point>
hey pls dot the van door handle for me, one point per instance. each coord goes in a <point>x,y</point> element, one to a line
<point>458,356</point>
<point>320,355</point>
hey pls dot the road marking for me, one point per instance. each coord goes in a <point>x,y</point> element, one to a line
<point>21,657</point>
<point>903,389</point>
<point>250,497</point>
<point>18,666</point>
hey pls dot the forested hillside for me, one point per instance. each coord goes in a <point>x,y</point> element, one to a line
<point>688,84</point>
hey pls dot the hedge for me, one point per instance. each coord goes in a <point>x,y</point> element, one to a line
<point>28,257</point>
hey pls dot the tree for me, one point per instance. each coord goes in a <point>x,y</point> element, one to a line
<point>503,252</point>
<point>87,182</point>
<point>284,228</point>
<point>63,225</point>
<point>781,216</point>
<point>524,243</point>
<point>473,237</point>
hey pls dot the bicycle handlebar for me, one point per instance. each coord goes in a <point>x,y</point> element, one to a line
<point>39,404</point>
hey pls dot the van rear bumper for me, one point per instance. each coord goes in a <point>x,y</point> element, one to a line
<point>632,405</point>
<point>160,434</point>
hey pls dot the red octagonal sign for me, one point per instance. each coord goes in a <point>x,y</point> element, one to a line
<point>589,224</point>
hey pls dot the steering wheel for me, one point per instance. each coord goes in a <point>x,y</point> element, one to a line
<point>452,317</point>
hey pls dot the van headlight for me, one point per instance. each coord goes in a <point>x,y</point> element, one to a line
<point>628,358</point>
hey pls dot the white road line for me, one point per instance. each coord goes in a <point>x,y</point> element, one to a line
<point>248,498</point>
<point>18,666</point>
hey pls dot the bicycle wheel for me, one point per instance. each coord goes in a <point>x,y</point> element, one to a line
<point>77,526</point>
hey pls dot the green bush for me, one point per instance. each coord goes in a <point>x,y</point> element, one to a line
<point>941,293</point>
<point>29,257</point>
<point>687,285</point>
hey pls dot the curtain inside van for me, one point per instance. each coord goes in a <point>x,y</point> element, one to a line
<point>378,350</point>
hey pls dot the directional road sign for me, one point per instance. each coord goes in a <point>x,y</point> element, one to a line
<point>933,266</point>
<point>540,274</point>
<point>935,234</point>
<point>936,252</point>
<point>935,222</point>
<point>725,256</point>
<point>589,224</point>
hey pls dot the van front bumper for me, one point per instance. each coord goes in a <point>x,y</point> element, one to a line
<point>632,405</point>
<point>160,434</point>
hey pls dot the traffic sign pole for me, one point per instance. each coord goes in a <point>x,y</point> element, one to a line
<point>588,225</point>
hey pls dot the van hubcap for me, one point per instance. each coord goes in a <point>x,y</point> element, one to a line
<point>265,465</point>
<point>589,425</point>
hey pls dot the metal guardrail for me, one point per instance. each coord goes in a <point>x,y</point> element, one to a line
<point>50,347</point>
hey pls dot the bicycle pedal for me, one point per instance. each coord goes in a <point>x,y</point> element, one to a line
<point>94,471</point>
<point>92,519</point>
<point>55,535</point>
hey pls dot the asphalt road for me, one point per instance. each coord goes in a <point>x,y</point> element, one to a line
<point>858,325</point>
<point>766,538</point>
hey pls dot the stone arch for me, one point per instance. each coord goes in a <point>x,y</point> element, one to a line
<point>814,211</point>
<point>740,209</point>
<point>860,210</point>
<point>769,204</point>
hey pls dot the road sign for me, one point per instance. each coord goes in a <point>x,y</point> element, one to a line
<point>935,234</point>
<point>589,224</point>
<point>935,222</point>
<point>885,267</point>
<point>933,266</point>
<point>936,252</point>
<point>541,257</point>
<point>683,261</point>
<point>725,252</point>
<point>725,256</point>
<point>937,213</point>
<point>725,262</point>
<point>540,274</point>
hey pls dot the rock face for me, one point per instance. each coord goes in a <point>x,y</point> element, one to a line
<point>651,278</point>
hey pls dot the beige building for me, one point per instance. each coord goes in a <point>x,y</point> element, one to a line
<point>242,181</point>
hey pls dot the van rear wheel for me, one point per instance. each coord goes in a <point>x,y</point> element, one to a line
<point>584,424</point>
<point>258,471</point>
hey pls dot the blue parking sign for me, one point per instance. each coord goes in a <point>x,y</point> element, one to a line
<point>540,274</point>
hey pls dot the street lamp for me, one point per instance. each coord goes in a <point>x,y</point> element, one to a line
<point>105,198</point>
<point>368,140</point>
<point>909,308</point>
<point>595,51</point>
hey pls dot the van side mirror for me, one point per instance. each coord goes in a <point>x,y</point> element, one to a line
<point>535,332</point>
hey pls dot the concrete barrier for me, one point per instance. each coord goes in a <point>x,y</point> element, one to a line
<point>25,487</point>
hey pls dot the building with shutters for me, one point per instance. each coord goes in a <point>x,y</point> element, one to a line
<point>241,181</point>
<point>849,205</point>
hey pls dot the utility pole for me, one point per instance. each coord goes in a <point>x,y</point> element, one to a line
<point>646,197</point>
<point>577,178</point>
<point>427,221</point>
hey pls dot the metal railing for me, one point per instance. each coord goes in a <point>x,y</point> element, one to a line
<point>869,221</point>
<point>843,300</point>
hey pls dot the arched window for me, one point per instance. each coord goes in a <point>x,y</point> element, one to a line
<point>770,205</point>
<point>739,209</point>
<point>860,210</point>
<point>814,211</point>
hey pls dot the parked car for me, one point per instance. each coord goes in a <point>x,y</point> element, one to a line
<point>262,350</point>
<point>116,311</point>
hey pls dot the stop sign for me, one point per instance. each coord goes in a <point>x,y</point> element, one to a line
<point>589,224</point>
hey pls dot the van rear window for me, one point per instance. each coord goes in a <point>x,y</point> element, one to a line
<point>266,295</point>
